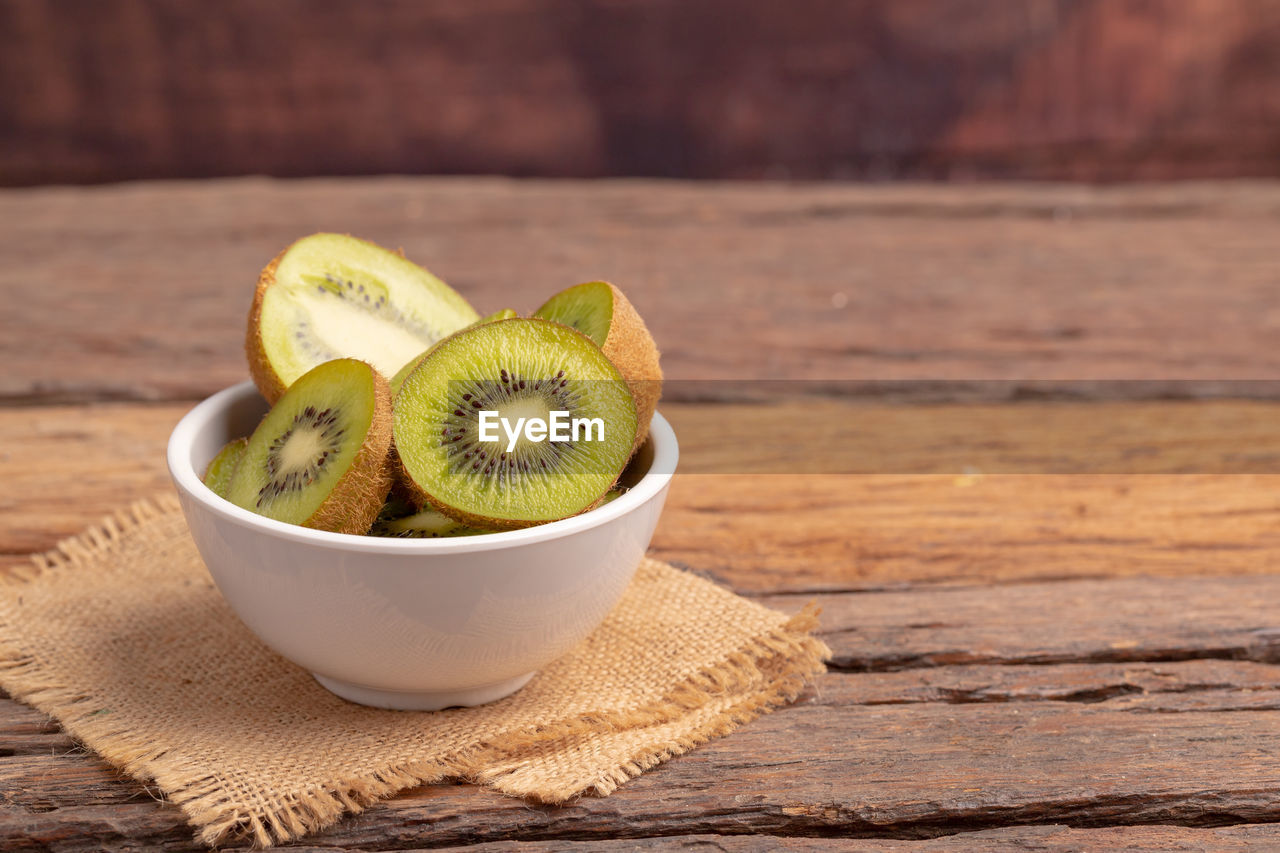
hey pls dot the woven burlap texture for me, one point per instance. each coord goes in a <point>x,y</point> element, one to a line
<point>122,637</point>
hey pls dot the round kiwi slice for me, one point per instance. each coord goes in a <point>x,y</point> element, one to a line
<point>221,468</point>
<point>320,458</point>
<point>603,313</point>
<point>399,520</point>
<point>398,380</point>
<point>332,296</point>
<point>516,369</point>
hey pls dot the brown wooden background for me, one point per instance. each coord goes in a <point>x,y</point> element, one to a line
<point>1086,661</point>
<point>1076,89</point>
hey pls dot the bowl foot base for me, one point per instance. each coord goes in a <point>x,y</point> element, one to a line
<point>410,700</point>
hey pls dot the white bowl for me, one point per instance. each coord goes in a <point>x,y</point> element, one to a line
<point>414,623</point>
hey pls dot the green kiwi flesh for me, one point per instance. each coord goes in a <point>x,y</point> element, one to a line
<point>586,307</point>
<point>320,456</point>
<point>332,296</point>
<point>223,466</point>
<point>398,379</point>
<point>399,520</point>
<point>518,368</point>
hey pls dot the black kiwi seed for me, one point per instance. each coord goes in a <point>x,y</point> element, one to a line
<point>466,453</point>
<point>343,288</point>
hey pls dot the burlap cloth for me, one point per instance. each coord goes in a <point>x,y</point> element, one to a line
<point>122,637</point>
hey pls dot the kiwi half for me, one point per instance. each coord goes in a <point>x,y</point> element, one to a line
<point>399,520</point>
<point>603,313</point>
<point>517,368</point>
<point>332,296</point>
<point>223,466</point>
<point>320,458</point>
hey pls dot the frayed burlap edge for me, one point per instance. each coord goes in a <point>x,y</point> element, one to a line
<point>769,672</point>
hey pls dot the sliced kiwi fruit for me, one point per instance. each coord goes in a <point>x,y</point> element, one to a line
<point>603,313</point>
<point>519,368</point>
<point>613,494</point>
<point>320,458</point>
<point>332,296</point>
<point>504,314</point>
<point>223,466</point>
<point>397,380</point>
<point>399,520</point>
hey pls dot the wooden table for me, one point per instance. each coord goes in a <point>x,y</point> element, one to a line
<point>1080,658</point>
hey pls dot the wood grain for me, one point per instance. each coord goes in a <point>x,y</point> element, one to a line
<point>1137,684</point>
<point>1114,701</point>
<point>1086,658</point>
<point>1090,89</point>
<point>909,771</point>
<point>140,292</point>
<point>1016,839</point>
<point>842,436</point>
<point>1094,621</point>
<point>952,748</point>
<point>65,467</point>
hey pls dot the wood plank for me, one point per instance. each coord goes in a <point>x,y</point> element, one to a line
<point>48,740</point>
<point>791,532</point>
<point>64,468</point>
<point>1014,839</point>
<point>141,291</point>
<point>121,826</point>
<point>1094,621</point>
<point>812,532</point>
<point>1134,685</point>
<point>911,770</point>
<point>1053,838</point>
<point>1043,839</point>
<point>1087,89</point>
<point>808,436</point>
<point>1141,711</point>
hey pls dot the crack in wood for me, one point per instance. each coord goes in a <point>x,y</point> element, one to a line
<point>930,660</point>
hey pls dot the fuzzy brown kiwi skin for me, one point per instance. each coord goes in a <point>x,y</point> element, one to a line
<point>632,350</point>
<point>354,503</point>
<point>264,376</point>
<point>402,485</point>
